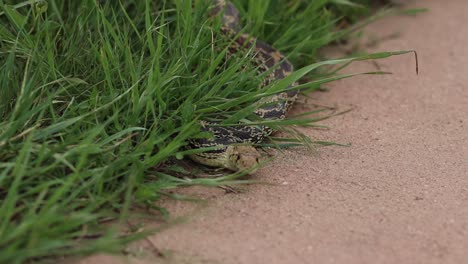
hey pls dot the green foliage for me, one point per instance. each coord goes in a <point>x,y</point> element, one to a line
<point>97,95</point>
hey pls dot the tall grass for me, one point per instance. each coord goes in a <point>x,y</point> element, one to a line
<point>95,97</point>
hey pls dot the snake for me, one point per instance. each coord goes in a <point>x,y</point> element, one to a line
<point>234,145</point>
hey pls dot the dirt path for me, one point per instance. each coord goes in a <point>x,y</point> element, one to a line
<point>398,195</point>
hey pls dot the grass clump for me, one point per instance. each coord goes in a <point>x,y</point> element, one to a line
<point>97,95</point>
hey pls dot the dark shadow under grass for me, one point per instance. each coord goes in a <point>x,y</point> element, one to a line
<point>96,96</point>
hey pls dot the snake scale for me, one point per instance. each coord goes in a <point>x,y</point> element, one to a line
<point>234,150</point>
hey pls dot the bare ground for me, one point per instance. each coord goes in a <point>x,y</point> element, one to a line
<point>399,194</point>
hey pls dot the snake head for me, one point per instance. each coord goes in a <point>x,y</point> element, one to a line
<point>241,158</point>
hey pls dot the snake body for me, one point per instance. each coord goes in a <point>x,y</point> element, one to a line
<point>234,148</point>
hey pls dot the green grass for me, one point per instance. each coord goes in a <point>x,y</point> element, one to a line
<point>96,99</point>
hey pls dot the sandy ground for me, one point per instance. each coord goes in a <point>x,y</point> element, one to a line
<point>399,194</point>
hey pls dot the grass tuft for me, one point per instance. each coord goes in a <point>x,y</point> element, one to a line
<point>97,96</point>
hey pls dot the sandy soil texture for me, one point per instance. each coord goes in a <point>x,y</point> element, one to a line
<point>399,194</point>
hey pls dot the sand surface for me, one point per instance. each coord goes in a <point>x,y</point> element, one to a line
<point>399,194</point>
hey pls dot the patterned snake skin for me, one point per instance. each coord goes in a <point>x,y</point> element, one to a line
<point>235,150</point>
